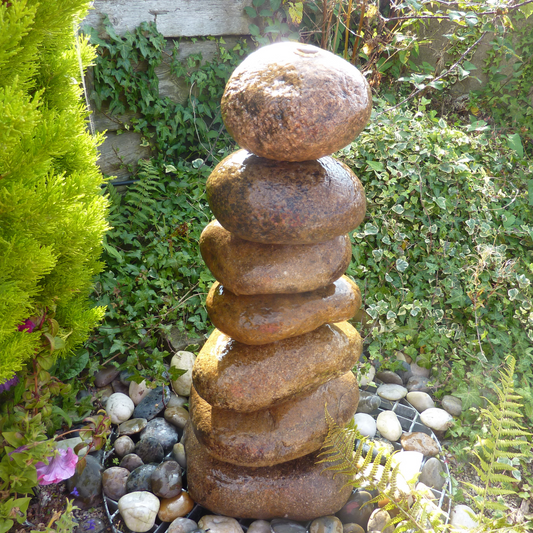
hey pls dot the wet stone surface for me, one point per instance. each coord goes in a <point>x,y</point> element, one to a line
<point>246,267</point>
<point>278,434</point>
<point>232,375</point>
<point>273,202</point>
<point>266,318</point>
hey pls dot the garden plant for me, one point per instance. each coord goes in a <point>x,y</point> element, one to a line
<point>444,258</point>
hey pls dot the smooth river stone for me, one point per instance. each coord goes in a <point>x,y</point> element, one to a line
<point>246,267</point>
<point>295,102</point>
<point>265,318</point>
<point>275,202</point>
<point>298,490</point>
<point>232,375</point>
<point>278,434</point>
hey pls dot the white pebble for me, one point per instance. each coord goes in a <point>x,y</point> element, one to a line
<point>389,426</point>
<point>366,424</point>
<point>138,391</point>
<point>420,400</point>
<point>436,419</point>
<point>461,517</point>
<point>139,510</point>
<point>119,407</point>
<point>220,524</point>
<point>391,392</point>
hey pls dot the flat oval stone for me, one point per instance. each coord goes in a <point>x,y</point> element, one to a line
<point>275,202</point>
<point>452,405</point>
<point>366,425</point>
<point>298,490</point>
<point>420,400</point>
<point>87,482</point>
<point>139,510</point>
<point>246,267</point>
<point>419,442</point>
<point>265,318</point>
<point>278,434</point>
<point>232,375</point>
<point>119,407</point>
<point>368,402</point>
<point>178,452</point>
<point>352,528</point>
<point>391,392</point>
<point>432,474</point>
<point>149,450</point>
<point>357,509</point>
<point>388,376</point>
<point>177,416</point>
<point>105,376</point>
<point>172,508</point>
<point>378,519</point>
<point>259,526</point>
<point>295,102</point>
<point>132,426</point>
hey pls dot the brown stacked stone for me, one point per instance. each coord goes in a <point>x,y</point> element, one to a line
<point>283,349</point>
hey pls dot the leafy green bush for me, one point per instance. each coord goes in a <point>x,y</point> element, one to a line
<point>155,277</point>
<point>445,258</point>
<point>52,220</point>
<point>52,211</point>
<point>126,82</point>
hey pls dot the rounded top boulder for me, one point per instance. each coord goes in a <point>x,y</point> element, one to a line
<point>295,102</point>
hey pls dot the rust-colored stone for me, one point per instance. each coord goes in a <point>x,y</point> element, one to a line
<point>265,318</point>
<point>277,434</point>
<point>298,490</point>
<point>245,267</point>
<point>295,102</point>
<point>276,202</point>
<point>231,375</point>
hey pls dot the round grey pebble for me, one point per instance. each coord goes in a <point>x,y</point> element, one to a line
<point>388,376</point>
<point>326,524</point>
<point>281,525</point>
<point>167,480</point>
<point>418,383</point>
<point>368,402</point>
<point>114,482</point>
<point>452,404</point>
<point>105,377</point>
<point>152,404</point>
<point>166,434</point>
<point>431,474</point>
<point>131,462</point>
<point>182,525</point>
<point>140,479</point>
<point>149,450</point>
<point>123,446</point>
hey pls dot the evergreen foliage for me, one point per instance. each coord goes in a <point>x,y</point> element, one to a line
<point>52,211</point>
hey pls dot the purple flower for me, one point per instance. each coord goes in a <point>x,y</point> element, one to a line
<point>28,326</point>
<point>8,384</point>
<point>75,492</point>
<point>61,465</point>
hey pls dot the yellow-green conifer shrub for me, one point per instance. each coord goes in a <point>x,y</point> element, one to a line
<point>52,211</point>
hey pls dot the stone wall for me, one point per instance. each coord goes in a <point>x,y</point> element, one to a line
<point>175,19</point>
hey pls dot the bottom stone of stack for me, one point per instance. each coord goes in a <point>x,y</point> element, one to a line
<point>297,490</point>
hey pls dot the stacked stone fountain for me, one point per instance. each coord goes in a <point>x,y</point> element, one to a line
<point>282,349</point>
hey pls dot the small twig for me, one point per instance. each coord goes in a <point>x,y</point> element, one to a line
<point>414,93</point>
<point>356,44</point>
<point>346,35</point>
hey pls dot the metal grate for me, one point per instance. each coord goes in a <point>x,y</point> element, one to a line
<point>410,421</point>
